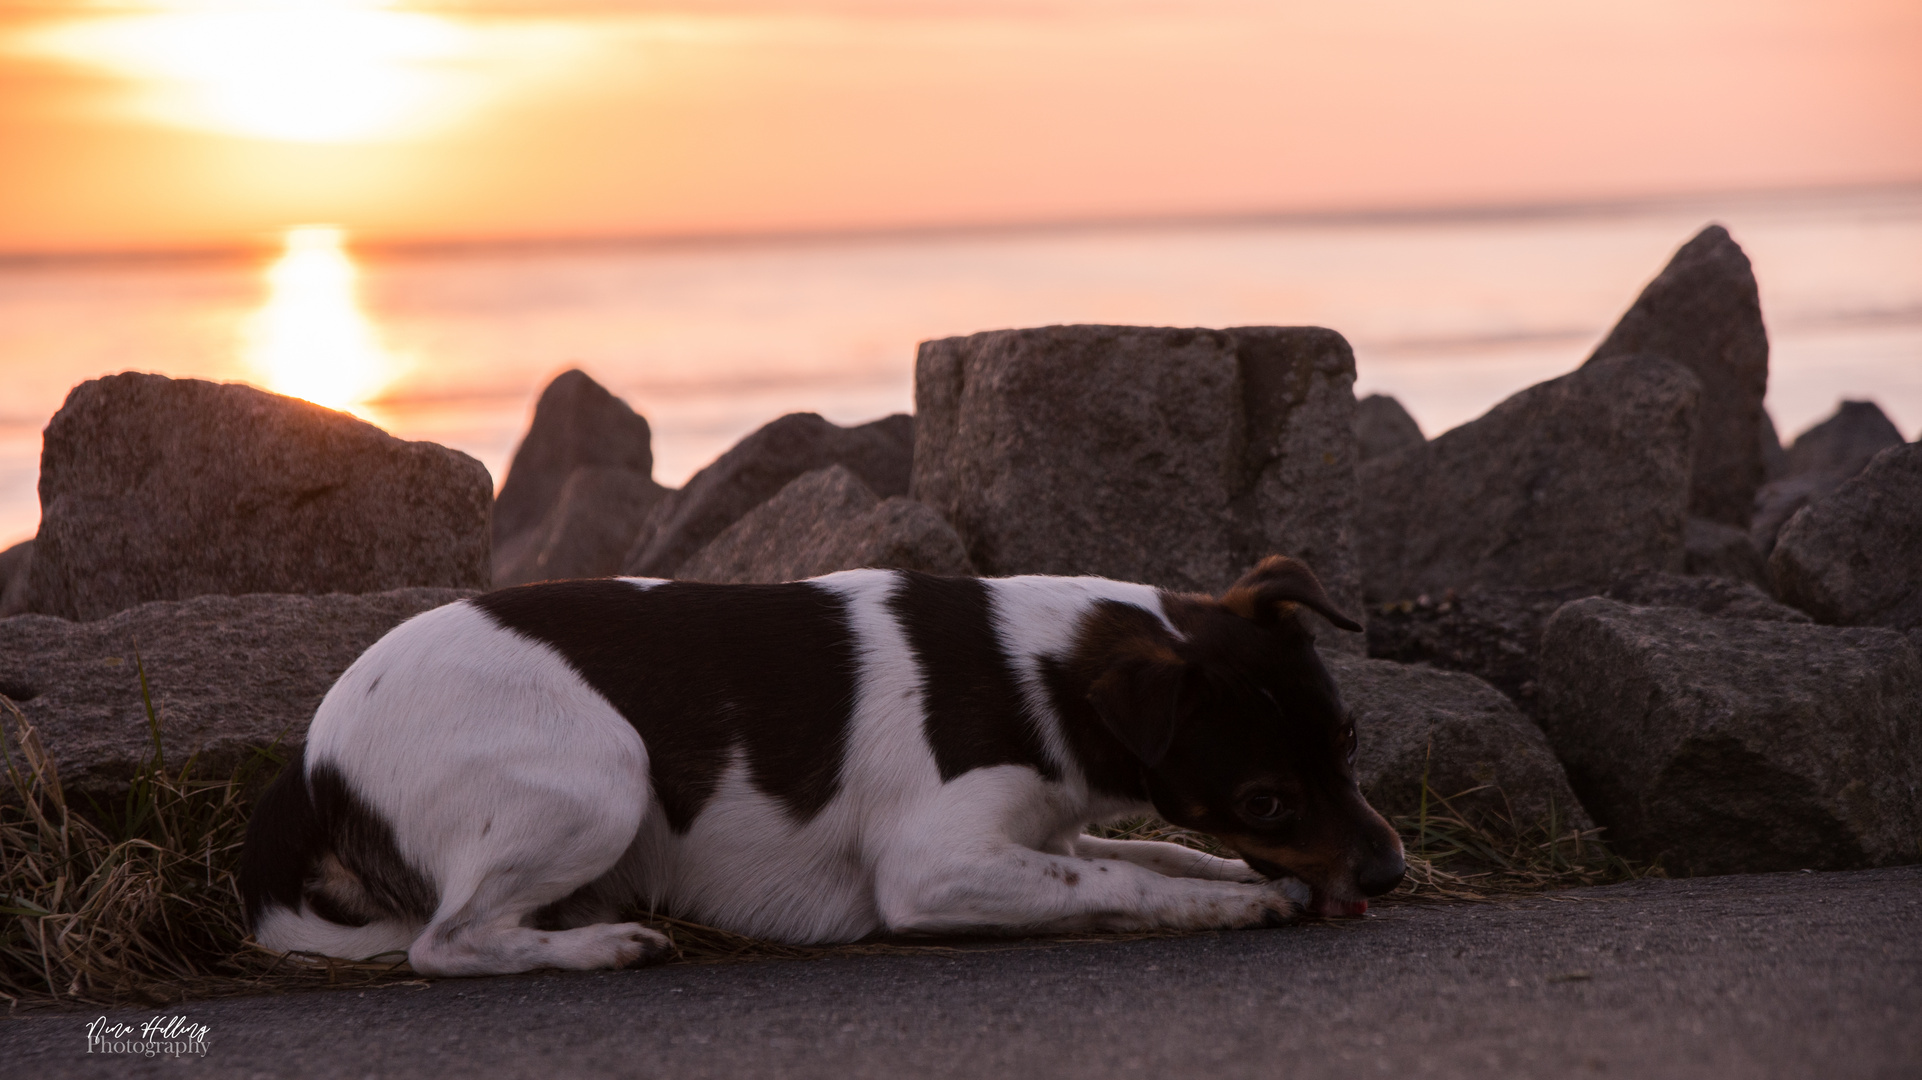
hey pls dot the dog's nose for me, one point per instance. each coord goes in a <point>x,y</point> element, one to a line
<point>1380,875</point>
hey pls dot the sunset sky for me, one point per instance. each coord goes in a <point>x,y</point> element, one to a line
<point>214,122</point>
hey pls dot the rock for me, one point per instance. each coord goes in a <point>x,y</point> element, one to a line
<point>16,563</point>
<point>1492,634</point>
<point>1177,457</point>
<point>1702,311</point>
<point>588,530</point>
<point>880,453</point>
<point>1460,733</point>
<point>160,489</point>
<point>1721,550</point>
<point>1780,500</point>
<point>1731,745</point>
<point>1382,427</point>
<point>1573,482</point>
<point>1775,460</point>
<point>1495,634</point>
<point>1854,556</point>
<point>579,485</point>
<point>228,674</point>
<point>1843,444</point>
<point>824,521</point>
<point>1723,598</point>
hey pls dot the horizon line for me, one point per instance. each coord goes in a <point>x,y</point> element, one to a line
<point>1387,214</point>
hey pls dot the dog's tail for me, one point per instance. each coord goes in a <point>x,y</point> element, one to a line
<point>319,871</point>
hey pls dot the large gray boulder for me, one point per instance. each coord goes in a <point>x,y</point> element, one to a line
<point>1470,743</point>
<point>824,521</point>
<point>1822,458</point>
<point>749,474</point>
<point>1383,427</point>
<point>1577,481</point>
<point>580,484</point>
<point>1731,745</point>
<point>160,489</point>
<point>16,564</point>
<point>1854,556</point>
<point>1176,457</point>
<point>1702,311</point>
<point>229,675</point>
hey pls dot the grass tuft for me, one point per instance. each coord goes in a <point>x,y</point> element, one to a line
<point>138,902</point>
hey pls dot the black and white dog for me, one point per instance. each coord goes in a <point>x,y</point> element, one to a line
<point>870,751</point>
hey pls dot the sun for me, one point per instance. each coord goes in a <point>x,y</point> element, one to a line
<point>311,339</point>
<point>295,70</point>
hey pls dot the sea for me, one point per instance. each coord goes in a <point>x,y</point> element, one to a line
<point>1450,311</point>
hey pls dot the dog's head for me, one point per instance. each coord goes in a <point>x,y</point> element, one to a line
<point>1241,734</point>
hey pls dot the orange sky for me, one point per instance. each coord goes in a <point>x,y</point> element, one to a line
<point>196,122</point>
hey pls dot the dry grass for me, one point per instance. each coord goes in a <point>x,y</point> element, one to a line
<point>138,902</point>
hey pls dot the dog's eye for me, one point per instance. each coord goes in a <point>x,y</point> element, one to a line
<point>1263,808</point>
<point>1349,743</point>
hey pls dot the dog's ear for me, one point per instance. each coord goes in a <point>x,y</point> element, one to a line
<point>1139,701</point>
<point>1272,588</point>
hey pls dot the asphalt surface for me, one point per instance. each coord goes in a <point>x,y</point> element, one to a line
<point>1783,975</point>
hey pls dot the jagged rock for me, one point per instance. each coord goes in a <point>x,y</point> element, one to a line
<point>1843,444</point>
<point>228,674</point>
<point>1722,551</point>
<point>880,453</point>
<point>587,531</point>
<point>1821,459</point>
<point>15,564</point>
<point>1495,634</point>
<point>1734,745</point>
<point>1780,500</point>
<point>1177,457</point>
<point>1854,556</point>
<point>1383,427</point>
<point>1702,311</point>
<point>1572,482</point>
<point>580,485</point>
<point>1462,735</point>
<point>159,489</point>
<point>824,521</point>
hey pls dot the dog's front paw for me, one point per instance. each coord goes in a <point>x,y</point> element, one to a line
<point>1236,870</point>
<point>1271,906</point>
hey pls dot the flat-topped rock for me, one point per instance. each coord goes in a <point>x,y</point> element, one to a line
<point>161,489</point>
<point>229,675</point>
<point>1176,457</point>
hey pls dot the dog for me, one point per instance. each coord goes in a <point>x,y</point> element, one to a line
<point>873,751</point>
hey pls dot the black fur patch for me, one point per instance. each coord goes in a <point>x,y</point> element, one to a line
<point>313,840</point>
<point>976,717</point>
<point>702,669</point>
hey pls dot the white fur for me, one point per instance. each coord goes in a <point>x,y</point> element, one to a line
<point>509,783</point>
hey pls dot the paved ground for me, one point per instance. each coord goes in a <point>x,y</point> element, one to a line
<point>1786,975</point>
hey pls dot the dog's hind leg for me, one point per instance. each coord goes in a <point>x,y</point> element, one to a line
<point>539,849</point>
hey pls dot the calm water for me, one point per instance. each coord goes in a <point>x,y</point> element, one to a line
<point>1448,314</point>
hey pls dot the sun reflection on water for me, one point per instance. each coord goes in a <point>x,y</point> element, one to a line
<point>311,339</point>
